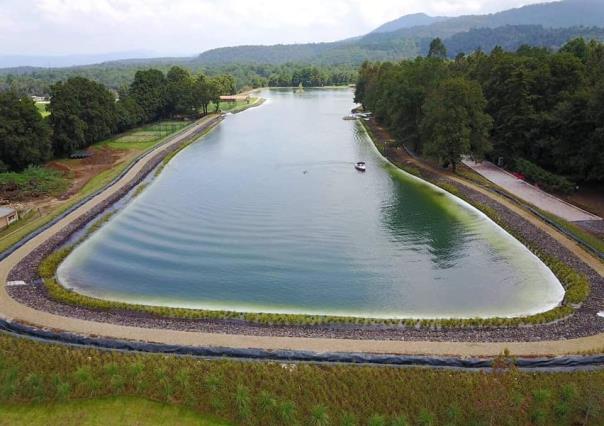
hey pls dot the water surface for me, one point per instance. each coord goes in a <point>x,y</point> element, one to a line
<point>268,214</point>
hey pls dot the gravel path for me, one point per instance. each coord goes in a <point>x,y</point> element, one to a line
<point>530,193</point>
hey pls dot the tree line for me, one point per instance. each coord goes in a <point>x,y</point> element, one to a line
<point>541,111</point>
<point>83,112</point>
<point>37,81</point>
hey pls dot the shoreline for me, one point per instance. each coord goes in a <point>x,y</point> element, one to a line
<point>343,335</point>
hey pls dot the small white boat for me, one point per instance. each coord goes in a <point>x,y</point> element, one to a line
<point>360,166</point>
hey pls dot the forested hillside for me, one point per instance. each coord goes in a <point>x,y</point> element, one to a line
<point>559,14</point>
<point>409,21</point>
<point>511,37</point>
<point>542,112</point>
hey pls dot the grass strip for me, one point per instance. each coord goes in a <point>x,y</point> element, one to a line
<point>269,393</point>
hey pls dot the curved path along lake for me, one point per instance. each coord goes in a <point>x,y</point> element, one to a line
<point>268,214</point>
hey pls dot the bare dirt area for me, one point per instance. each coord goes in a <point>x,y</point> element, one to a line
<point>590,198</point>
<point>81,171</point>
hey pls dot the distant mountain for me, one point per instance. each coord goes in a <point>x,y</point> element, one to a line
<point>402,38</point>
<point>378,47</point>
<point>560,14</point>
<point>511,37</point>
<point>409,21</point>
<point>548,25</point>
<point>7,61</point>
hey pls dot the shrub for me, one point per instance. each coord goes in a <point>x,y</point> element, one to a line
<point>32,182</point>
<point>546,180</point>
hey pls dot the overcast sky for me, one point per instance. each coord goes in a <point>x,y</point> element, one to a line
<point>180,27</point>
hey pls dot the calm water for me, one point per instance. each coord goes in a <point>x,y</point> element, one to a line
<point>268,214</point>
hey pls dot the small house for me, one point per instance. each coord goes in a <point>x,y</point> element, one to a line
<point>7,216</point>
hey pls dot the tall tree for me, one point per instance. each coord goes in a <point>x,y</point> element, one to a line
<point>82,112</point>
<point>437,49</point>
<point>179,91</point>
<point>24,134</point>
<point>149,90</point>
<point>455,123</point>
<point>202,93</point>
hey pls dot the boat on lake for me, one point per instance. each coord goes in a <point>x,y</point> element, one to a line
<point>360,166</point>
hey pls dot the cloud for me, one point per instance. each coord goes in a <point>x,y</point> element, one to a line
<point>191,26</point>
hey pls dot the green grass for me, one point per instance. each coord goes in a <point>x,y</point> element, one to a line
<point>594,241</point>
<point>270,393</point>
<point>236,106</point>
<point>104,411</point>
<point>145,137</point>
<point>33,182</point>
<point>42,108</point>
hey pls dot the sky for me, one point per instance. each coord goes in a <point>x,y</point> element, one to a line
<point>187,27</point>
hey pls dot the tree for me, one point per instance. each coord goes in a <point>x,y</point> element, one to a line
<point>437,49</point>
<point>82,112</point>
<point>24,134</point>
<point>179,91</point>
<point>455,123</point>
<point>129,113</point>
<point>202,93</point>
<point>149,91</point>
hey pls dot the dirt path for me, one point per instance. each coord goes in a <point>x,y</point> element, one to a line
<point>10,309</point>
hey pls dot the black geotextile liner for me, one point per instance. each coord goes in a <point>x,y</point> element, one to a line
<point>562,363</point>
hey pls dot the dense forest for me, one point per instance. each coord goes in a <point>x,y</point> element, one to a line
<point>543,112</point>
<point>83,112</point>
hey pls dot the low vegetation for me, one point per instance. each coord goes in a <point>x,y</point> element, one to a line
<point>544,179</point>
<point>102,411</point>
<point>41,106</point>
<point>262,393</point>
<point>32,182</point>
<point>578,232</point>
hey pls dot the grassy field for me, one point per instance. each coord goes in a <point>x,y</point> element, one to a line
<point>262,393</point>
<point>236,106</point>
<point>135,141</point>
<point>593,240</point>
<point>100,412</point>
<point>145,137</point>
<point>42,108</point>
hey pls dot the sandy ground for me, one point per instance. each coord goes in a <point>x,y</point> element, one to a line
<point>10,309</point>
<point>530,193</point>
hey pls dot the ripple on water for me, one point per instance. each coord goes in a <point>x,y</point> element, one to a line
<point>268,214</point>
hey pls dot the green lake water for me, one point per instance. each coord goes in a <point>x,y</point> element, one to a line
<point>268,214</point>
